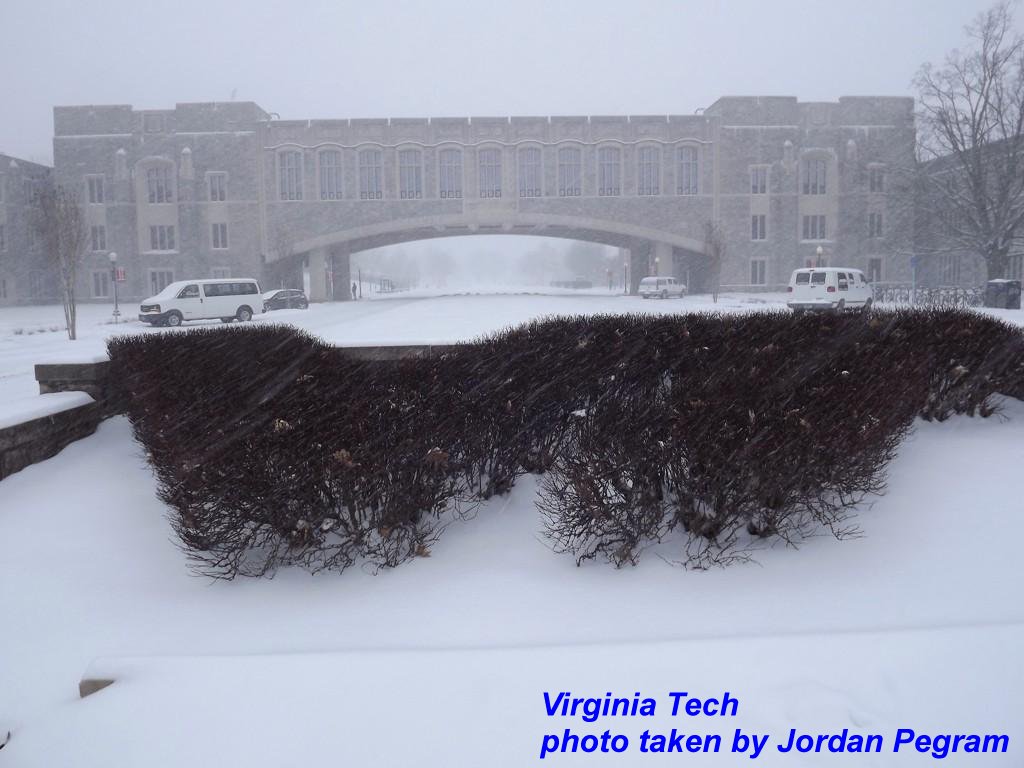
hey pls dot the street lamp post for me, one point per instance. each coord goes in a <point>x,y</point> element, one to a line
<point>819,251</point>
<point>657,260</point>
<point>113,279</point>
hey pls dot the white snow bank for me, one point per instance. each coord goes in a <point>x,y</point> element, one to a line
<point>23,409</point>
<point>468,708</point>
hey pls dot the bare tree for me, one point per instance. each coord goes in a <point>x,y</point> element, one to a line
<point>714,250</point>
<point>60,222</point>
<point>971,120</point>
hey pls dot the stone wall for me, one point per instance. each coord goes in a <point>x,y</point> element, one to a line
<point>41,438</point>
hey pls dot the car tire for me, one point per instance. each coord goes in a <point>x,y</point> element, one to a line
<point>173,319</point>
<point>226,319</point>
<point>867,307</point>
<point>244,314</point>
<point>841,307</point>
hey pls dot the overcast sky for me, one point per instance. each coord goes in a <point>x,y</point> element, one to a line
<point>337,58</point>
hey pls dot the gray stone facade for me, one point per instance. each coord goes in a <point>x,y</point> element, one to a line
<point>24,272</point>
<point>301,195</point>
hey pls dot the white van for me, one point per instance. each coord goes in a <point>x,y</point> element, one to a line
<point>203,300</point>
<point>663,287</point>
<point>830,289</point>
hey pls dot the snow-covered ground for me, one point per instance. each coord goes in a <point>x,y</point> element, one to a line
<point>444,661</point>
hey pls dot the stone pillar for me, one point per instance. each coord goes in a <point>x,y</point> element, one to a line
<point>339,262</point>
<point>662,263</point>
<point>315,275</point>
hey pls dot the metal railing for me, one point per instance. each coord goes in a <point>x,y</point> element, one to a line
<point>927,296</point>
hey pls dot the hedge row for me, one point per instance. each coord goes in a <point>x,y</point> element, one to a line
<point>272,448</point>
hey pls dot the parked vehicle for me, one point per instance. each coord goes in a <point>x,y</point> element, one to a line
<point>235,299</point>
<point>828,289</point>
<point>285,298</point>
<point>661,287</point>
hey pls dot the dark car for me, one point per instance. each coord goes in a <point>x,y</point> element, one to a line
<point>285,298</point>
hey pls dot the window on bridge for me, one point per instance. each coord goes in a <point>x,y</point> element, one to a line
<point>609,171</point>
<point>289,175</point>
<point>648,171</point>
<point>570,172</point>
<point>371,186</point>
<point>410,174</point>
<point>330,175</point>
<point>687,174</point>
<point>451,174</point>
<point>530,172</point>
<point>489,161</point>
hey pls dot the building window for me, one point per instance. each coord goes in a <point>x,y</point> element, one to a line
<point>686,182</point>
<point>94,189</point>
<point>289,175</point>
<point>98,237</point>
<point>1015,267</point>
<point>37,284</point>
<point>814,177</point>
<point>757,226</point>
<point>3,288</point>
<point>371,182</point>
<point>490,172</point>
<point>159,279</point>
<point>451,174</point>
<point>410,174</point>
<point>876,179</point>
<point>3,239</point>
<point>648,169</point>
<point>758,270</point>
<point>219,232</point>
<point>759,180</point>
<point>220,273</point>
<point>101,283</point>
<point>530,172</point>
<point>158,184</point>
<point>874,270</point>
<point>330,174</point>
<point>814,228</point>
<point>161,238</point>
<point>218,187</point>
<point>609,172</point>
<point>950,269</point>
<point>570,172</point>
<point>875,225</point>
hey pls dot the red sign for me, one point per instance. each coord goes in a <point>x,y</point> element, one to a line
<point>119,275</point>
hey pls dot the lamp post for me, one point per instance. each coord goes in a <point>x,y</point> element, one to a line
<point>113,279</point>
<point>819,251</point>
<point>657,260</point>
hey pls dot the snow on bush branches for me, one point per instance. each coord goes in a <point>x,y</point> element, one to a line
<point>272,448</point>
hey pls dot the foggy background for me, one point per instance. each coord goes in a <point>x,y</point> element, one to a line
<point>343,59</point>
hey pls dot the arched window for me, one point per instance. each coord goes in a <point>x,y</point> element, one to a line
<point>570,172</point>
<point>489,162</point>
<point>330,174</point>
<point>530,175</point>
<point>371,182</point>
<point>648,170</point>
<point>410,174</point>
<point>450,167</point>
<point>160,183</point>
<point>813,175</point>
<point>289,175</point>
<point>609,171</point>
<point>687,171</point>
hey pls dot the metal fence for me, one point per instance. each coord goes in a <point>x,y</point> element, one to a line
<point>929,296</point>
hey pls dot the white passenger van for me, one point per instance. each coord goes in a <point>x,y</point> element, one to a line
<point>229,299</point>
<point>662,287</point>
<point>830,289</point>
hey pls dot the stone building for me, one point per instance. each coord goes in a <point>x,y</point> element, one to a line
<point>24,272</point>
<point>227,189</point>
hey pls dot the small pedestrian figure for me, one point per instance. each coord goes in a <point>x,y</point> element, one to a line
<point>353,291</point>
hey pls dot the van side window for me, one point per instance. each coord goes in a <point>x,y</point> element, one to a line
<point>803,278</point>
<point>818,278</point>
<point>843,284</point>
<point>213,289</point>
<point>189,292</point>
